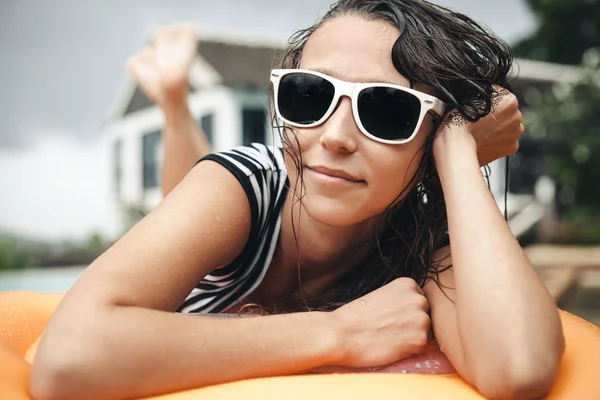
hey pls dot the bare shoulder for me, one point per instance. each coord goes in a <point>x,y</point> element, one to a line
<point>204,223</point>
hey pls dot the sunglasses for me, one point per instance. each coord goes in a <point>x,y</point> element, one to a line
<point>384,112</point>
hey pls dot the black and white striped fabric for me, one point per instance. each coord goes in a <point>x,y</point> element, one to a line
<point>261,171</point>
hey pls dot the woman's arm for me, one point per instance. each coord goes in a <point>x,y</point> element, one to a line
<point>123,352</point>
<point>114,335</point>
<point>502,332</point>
<point>162,70</point>
<point>184,143</point>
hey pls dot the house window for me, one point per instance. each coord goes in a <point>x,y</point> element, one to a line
<point>253,125</point>
<point>206,122</point>
<point>152,155</point>
<point>117,166</point>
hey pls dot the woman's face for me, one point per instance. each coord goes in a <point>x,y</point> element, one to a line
<point>352,49</point>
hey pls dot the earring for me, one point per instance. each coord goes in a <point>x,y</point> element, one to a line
<point>421,192</point>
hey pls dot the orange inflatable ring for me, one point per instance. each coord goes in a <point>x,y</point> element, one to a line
<point>24,315</point>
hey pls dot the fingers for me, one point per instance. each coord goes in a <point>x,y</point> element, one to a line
<point>430,334</point>
<point>419,334</point>
<point>409,283</point>
<point>515,146</point>
<point>501,90</point>
<point>162,68</point>
<point>142,67</point>
<point>386,325</point>
<point>176,48</point>
<point>178,34</point>
<point>174,32</point>
<point>144,56</point>
<point>420,316</point>
<point>418,299</point>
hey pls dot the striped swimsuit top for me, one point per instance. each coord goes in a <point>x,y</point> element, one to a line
<point>261,171</point>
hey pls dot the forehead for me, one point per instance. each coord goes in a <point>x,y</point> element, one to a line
<point>354,49</point>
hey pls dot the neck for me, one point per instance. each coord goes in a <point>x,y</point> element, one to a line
<point>323,253</point>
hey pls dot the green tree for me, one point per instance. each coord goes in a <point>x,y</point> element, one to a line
<point>95,244</point>
<point>566,29</point>
<point>569,117</point>
<point>14,255</point>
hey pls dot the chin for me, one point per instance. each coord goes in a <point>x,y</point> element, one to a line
<point>333,212</point>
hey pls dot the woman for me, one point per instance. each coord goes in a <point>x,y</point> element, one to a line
<point>350,221</point>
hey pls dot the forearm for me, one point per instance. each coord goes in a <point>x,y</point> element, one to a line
<point>184,143</point>
<point>130,352</point>
<point>504,312</point>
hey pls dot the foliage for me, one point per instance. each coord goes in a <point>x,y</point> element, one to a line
<point>95,244</point>
<point>14,255</point>
<point>566,29</point>
<point>569,116</point>
<point>18,253</point>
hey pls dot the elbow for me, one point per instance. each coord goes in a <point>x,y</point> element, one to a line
<point>527,377</point>
<point>48,382</point>
<point>57,376</point>
<point>45,384</point>
<point>527,385</point>
<point>522,369</point>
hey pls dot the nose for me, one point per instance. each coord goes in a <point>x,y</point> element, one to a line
<point>340,130</point>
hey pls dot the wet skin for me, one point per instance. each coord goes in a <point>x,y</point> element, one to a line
<point>431,361</point>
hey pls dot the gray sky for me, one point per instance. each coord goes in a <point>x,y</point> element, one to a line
<point>62,63</point>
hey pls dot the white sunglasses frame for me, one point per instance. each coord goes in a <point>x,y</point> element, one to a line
<point>351,90</point>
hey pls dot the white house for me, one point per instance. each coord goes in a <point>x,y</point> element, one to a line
<point>228,97</point>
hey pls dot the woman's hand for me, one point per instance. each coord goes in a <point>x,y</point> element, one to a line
<point>162,68</point>
<point>384,326</point>
<point>497,134</point>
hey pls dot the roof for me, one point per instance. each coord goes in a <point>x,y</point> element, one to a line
<point>240,64</point>
<point>541,71</point>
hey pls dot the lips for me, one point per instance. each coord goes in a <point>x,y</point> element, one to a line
<point>335,173</point>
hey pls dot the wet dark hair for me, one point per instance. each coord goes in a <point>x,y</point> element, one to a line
<point>462,62</point>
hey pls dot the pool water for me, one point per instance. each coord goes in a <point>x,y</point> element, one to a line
<point>46,280</point>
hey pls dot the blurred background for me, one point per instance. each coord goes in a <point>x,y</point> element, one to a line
<point>80,143</point>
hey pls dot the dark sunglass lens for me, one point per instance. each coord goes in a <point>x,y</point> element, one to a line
<point>304,98</point>
<point>388,113</point>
